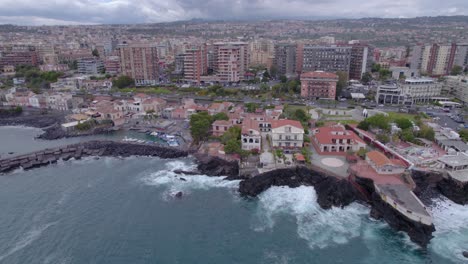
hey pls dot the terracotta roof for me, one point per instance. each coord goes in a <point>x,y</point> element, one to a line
<point>286,122</point>
<point>299,157</point>
<point>221,123</point>
<point>325,134</point>
<point>378,158</point>
<point>319,74</point>
<point>249,124</point>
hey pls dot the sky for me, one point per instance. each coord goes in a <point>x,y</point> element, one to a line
<point>72,12</point>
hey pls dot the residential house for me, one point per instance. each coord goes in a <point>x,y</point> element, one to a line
<point>250,135</point>
<point>220,126</point>
<point>38,101</point>
<point>287,134</point>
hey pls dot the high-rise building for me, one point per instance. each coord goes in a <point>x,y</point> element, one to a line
<point>231,61</point>
<point>458,87</point>
<point>438,59</point>
<point>285,59</point>
<point>318,84</point>
<point>195,63</point>
<point>326,58</point>
<point>18,55</point>
<point>361,61</point>
<point>112,65</point>
<point>140,62</point>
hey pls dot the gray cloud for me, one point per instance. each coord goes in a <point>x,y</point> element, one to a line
<point>34,12</point>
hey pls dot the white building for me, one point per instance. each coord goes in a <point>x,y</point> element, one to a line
<point>287,134</point>
<point>250,135</point>
<point>458,87</point>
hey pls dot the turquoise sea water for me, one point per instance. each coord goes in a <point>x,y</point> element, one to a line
<point>111,210</point>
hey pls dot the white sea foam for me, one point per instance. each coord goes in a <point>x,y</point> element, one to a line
<point>451,235</point>
<point>28,238</point>
<point>185,183</point>
<point>319,227</point>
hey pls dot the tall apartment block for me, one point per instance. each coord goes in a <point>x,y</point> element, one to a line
<point>231,61</point>
<point>326,58</point>
<point>195,64</point>
<point>361,61</point>
<point>90,65</point>
<point>139,61</point>
<point>285,58</point>
<point>438,59</point>
<point>318,84</point>
<point>18,55</point>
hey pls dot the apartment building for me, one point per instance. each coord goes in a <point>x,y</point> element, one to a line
<point>250,135</point>
<point>420,89</point>
<point>140,62</point>
<point>318,84</point>
<point>285,58</point>
<point>18,55</point>
<point>195,64</point>
<point>112,65</point>
<point>91,66</point>
<point>458,87</point>
<point>438,59</point>
<point>360,61</point>
<point>231,61</point>
<point>326,58</point>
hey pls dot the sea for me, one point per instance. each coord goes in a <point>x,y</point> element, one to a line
<point>113,210</point>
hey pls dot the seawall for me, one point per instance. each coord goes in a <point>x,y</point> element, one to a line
<point>85,149</point>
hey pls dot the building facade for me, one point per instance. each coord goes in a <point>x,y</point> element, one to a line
<point>195,64</point>
<point>285,59</point>
<point>140,62</point>
<point>231,61</point>
<point>326,58</point>
<point>318,84</point>
<point>287,134</point>
<point>90,66</point>
<point>335,139</point>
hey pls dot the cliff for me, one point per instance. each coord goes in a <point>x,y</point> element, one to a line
<point>331,191</point>
<point>90,148</point>
<point>215,166</point>
<point>419,233</point>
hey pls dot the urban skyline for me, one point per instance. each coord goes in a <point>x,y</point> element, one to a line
<point>25,12</point>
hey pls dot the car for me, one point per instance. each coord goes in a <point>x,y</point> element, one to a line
<point>381,105</point>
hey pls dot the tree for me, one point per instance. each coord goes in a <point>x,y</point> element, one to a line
<point>342,82</point>
<point>403,123</point>
<point>300,115</point>
<point>232,133</point>
<point>283,78</point>
<point>379,121</point>
<point>456,70</point>
<point>375,67</point>
<point>264,87</point>
<point>273,71</point>
<point>426,132</point>
<point>123,82</point>
<point>200,125</point>
<point>407,135</point>
<point>95,53</point>
<point>266,77</point>
<point>383,138</point>
<point>364,125</point>
<point>464,134</point>
<point>251,107</point>
<point>366,78</point>
<point>384,74</point>
<point>220,116</point>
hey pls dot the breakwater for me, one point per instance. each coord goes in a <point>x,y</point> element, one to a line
<point>86,149</point>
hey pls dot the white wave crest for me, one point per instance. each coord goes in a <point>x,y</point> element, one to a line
<point>451,223</point>
<point>185,183</point>
<point>27,239</point>
<point>319,227</point>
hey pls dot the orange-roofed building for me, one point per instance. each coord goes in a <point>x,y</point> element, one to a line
<point>318,84</point>
<point>383,165</point>
<point>335,139</point>
<point>220,126</point>
<point>250,135</point>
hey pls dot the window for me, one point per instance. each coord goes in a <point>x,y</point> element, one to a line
<point>287,129</point>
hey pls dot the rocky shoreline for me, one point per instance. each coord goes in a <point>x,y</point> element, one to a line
<point>37,118</point>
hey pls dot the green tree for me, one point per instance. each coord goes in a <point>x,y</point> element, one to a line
<point>366,78</point>
<point>300,115</point>
<point>375,67</point>
<point>407,135</point>
<point>403,123</point>
<point>456,70</point>
<point>383,138</point>
<point>342,82</point>
<point>232,133</point>
<point>233,146</point>
<point>95,53</point>
<point>379,121</point>
<point>251,107</point>
<point>283,78</point>
<point>123,82</point>
<point>364,125</point>
<point>464,134</point>
<point>426,132</point>
<point>200,125</point>
<point>220,116</point>
<point>264,87</point>
<point>273,71</point>
<point>266,77</point>
<point>384,74</point>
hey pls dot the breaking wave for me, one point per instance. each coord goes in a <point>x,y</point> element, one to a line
<point>320,228</point>
<point>175,183</point>
<point>451,235</point>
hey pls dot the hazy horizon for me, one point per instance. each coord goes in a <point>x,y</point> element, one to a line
<point>88,12</point>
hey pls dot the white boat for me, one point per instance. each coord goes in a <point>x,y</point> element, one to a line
<point>154,134</point>
<point>173,143</point>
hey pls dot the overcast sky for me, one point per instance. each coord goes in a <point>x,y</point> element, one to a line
<point>50,12</point>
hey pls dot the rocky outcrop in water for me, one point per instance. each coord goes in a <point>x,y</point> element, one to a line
<point>214,166</point>
<point>56,132</point>
<point>454,190</point>
<point>419,233</point>
<point>85,149</point>
<point>331,191</point>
